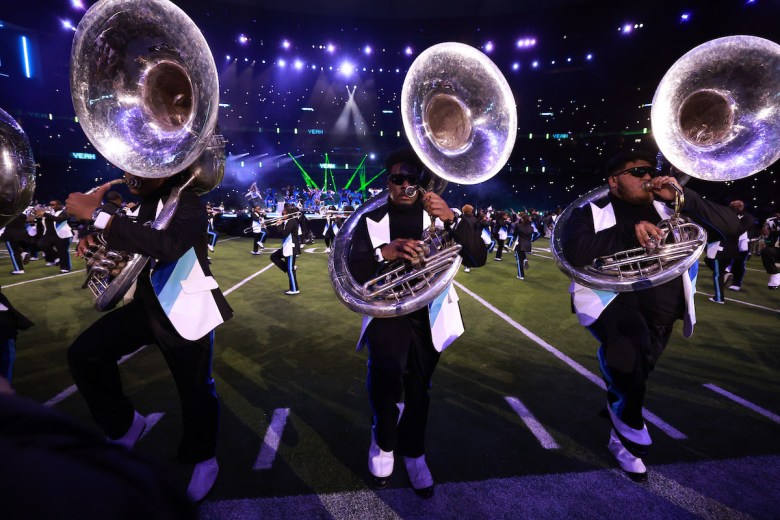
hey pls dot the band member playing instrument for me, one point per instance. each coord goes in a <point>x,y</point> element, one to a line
<point>258,230</point>
<point>284,257</point>
<point>633,327</point>
<point>333,223</point>
<point>57,236</point>
<point>403,351</point>
<point>176,305</point>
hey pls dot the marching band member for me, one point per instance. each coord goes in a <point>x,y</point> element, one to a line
<point>57,236</point>
<point>770,255</point>
<point>633,327</point>
<point>523,232</point>
<point>177,304</point>
<point>284,257</point>
<point>734,276</point>
<point>332,225</point>
<point>11,321</point>
<point>15,237</point>
<point>211,212</point>
<point>258,230</point>
<point>500,232</point>
<point>403,351</point>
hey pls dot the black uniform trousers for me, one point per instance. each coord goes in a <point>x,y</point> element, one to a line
<point>93,363</point>
<point>287,265</point>
<point>718,267</point>
<point>401,361</point>
<point>631,345</point>
<point>770,256</point>
<point>258,240</point>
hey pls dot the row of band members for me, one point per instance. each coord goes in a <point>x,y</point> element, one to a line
<point>308,198</point>
<point>632,328</point>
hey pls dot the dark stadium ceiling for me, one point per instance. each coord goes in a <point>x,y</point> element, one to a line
<point>398,9</point>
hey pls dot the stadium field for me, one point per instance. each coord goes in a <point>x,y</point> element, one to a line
<point>515,429</point>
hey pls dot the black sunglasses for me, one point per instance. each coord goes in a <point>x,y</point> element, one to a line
<point>639,172</point>
<point>399,178</point>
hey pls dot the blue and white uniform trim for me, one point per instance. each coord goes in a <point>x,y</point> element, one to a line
<point>184,293</point>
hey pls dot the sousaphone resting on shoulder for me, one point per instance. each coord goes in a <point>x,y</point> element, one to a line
<point>146,92</point>
<point>460,117</point>
<point>715,116</point>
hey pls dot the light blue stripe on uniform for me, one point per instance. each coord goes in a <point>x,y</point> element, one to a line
<point>435,306</point>
<point>291,272</point>
<point>11,254</point>
<point>172,288</point>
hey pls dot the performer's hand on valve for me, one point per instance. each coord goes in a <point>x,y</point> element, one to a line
<point>404,248</point>
<point>648,234</point>
<point>84,244</point>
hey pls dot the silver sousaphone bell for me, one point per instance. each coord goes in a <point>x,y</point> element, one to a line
<point>460,117</point>
<point>146,92</point>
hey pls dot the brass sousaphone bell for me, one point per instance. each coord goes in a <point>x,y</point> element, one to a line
<point>715,116</point>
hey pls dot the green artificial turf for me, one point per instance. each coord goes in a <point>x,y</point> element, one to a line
<point>299,353</point>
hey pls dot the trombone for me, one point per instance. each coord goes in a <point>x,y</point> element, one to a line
<point>281,220</point>
<point>336,213</point>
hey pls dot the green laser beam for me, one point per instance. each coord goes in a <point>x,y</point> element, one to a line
<point>346,186</point>
<point>309,182</point>
<point>364,186</point>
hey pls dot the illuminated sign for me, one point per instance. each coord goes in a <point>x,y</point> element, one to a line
<point>315,131</point>
<point>82,155</point>
<point>327,166</point>
<point>560,136</point>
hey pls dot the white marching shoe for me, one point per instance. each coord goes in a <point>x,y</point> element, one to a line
<point>380,464</point>
<point>132,434</point>
<point>203,477</point>
<point>774,281</point>
<point>633,466</point>
<point>419,476</point>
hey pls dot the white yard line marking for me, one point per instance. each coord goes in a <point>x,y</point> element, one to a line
<point>44,278</point>
<point>689,499</point>
<point>533,424</point>
<point>227,239</point>
<point>72,388</point>
<point>245,280</point>
<point>770,309</point>
<point>357,504</point>
<point>151,420</point>
<point>744,402</point>
<point>265,459</point>
<point>590,376</point>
